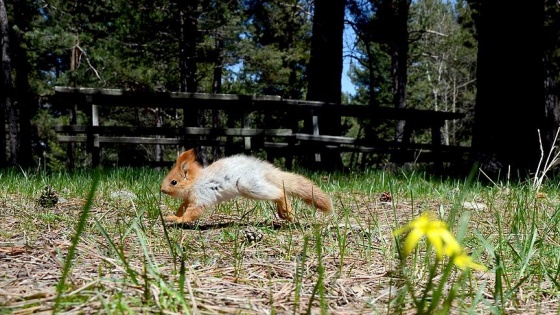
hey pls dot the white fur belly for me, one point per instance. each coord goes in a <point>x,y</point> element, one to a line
<point>208,192</point>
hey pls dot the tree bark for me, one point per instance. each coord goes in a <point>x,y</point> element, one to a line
<point>7,89</point>
<point>507,115</point>
<point>325,70</point>
<point>218,64</point>
<point>217,88</point>
<point>294,89</point>
<point>551,121</point>
<point>4,75</point>
<point>26,110</point>
<point>188,20</point>
<point>25,98</point>
<point>399,57</point>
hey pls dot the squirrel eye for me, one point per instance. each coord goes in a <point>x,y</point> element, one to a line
<point>173,182</point>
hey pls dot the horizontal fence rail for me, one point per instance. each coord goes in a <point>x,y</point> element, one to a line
<point>290,141</point>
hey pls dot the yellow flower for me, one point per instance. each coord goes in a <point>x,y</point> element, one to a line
<point>450,245</point>
<point>438,234</point>
<point>464,261</point>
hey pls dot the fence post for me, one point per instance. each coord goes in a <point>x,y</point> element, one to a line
<point>70,158</point>
<point>93,138</point>
<point>247,125</point>
<point>315,121</point>
<point>158,148</point>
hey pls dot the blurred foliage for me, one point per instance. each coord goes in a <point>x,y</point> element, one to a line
<point>257,47</point>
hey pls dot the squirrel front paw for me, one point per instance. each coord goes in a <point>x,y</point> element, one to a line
<point>183,219</point>
<point>173,219</point>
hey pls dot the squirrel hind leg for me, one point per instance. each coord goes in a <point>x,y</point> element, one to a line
<point>284,208</point>
<point>267,191</point>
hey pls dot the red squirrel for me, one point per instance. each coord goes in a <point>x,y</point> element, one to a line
<point>230,177</point>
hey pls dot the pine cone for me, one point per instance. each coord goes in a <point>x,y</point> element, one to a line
<point>252,235</point>
<point>48,198</point>
<point>386,197</point>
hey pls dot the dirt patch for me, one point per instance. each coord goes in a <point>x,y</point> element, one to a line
<point>232,263</point>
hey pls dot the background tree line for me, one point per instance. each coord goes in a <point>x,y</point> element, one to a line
<point>494,61</point>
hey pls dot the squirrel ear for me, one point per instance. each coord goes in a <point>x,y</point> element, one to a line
<point>185,159</point>
<point>185,168</point>
<point>188,156</point>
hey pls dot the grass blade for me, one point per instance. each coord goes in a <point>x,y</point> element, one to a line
<point>75,239</point>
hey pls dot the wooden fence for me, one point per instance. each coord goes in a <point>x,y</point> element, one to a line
<point>240,134</point>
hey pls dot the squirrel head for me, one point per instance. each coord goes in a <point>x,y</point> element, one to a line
<point>181,177</point>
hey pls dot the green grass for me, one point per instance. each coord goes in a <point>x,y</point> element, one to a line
<point>99,251</point>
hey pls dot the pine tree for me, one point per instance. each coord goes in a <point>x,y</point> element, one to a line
<point>443,63</point>
<point>274,50</point>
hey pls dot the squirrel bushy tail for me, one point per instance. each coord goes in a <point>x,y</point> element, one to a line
<point>305,189</point>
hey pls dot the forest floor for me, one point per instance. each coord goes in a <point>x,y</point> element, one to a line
<point>240,259</point>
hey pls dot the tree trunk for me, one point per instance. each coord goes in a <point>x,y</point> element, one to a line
<point>7,90</point>
<point>188,19</point>
<point>4,75</point>
<point>217,88</point>
<point>507,114</point>
<point>72,111</point>
<point>551,121</point>
<point>218,64</point>
<point>372,97</point>
<point>399,58</point>
<point>26,99</point>
<point>3,152</point>
<point>325,70</point>
<point>294,88</point>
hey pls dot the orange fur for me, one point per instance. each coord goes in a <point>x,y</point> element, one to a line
<point>235,176</point>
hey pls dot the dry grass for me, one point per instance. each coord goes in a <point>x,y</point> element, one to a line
<point>341,264</point>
